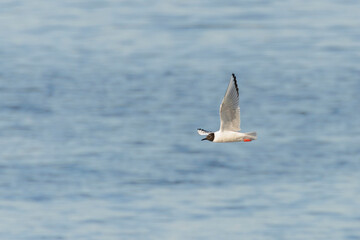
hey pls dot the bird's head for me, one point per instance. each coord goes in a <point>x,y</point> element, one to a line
<point>210,137</point>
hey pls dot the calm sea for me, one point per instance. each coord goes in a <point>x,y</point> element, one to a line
<point>100,102</point>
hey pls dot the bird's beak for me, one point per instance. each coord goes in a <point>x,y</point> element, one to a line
<point>203,139</point>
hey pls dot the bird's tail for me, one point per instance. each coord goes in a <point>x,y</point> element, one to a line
<point>251,135</point>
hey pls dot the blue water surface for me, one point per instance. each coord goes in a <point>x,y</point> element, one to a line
<point>100,102</point>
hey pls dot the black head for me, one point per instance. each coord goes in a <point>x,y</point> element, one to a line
<point>210,137</point>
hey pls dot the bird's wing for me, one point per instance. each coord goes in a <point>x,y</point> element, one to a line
<point>203,132</point>
<point>229,108</point>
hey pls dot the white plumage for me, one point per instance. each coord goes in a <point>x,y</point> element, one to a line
<point>229,119</point>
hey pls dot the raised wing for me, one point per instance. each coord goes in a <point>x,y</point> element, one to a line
<point>203,132</point>
<point>229,108</point>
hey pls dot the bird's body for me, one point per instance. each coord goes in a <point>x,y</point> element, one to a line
<point>229,119</point>
<point>230,136</point>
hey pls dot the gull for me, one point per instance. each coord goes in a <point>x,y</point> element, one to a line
<point>229,119</point>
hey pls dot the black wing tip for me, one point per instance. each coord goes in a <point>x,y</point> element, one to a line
<point>206,131</point>
<point>236,86</point>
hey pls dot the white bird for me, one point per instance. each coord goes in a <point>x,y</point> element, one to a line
<point>229,119</point>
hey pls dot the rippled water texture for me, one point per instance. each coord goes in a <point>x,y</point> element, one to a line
<point>100,102</point>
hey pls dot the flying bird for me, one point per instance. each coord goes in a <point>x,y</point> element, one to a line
<point>229,119</point>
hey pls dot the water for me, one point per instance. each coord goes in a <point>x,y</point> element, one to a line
<point>100,102</point>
